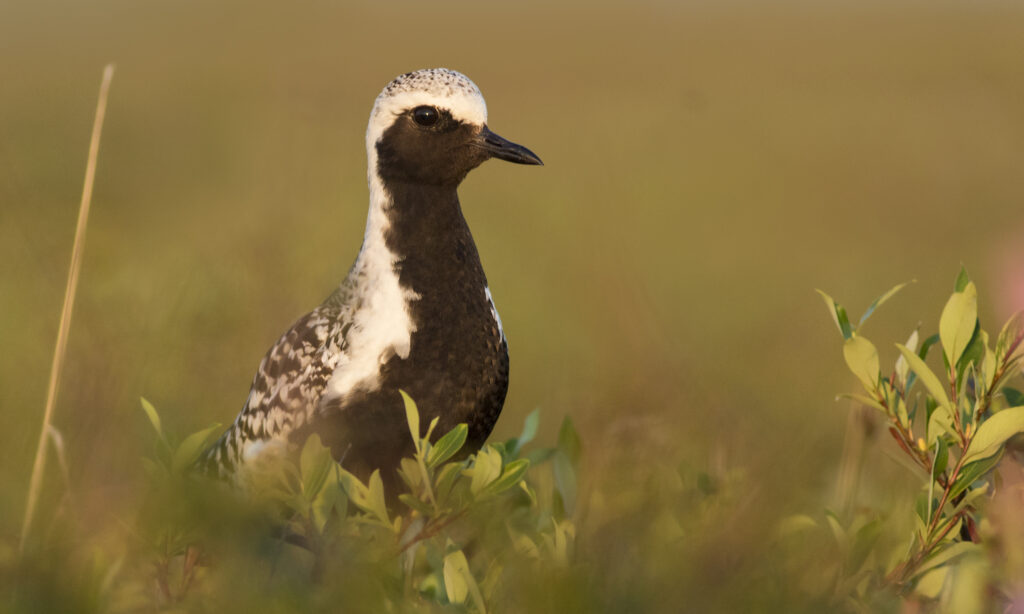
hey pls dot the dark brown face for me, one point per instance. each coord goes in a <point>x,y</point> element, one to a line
<point>427,145</point>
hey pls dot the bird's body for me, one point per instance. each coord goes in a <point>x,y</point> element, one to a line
<point>414,313</point>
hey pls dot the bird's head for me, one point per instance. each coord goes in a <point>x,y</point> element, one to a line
<point>430,127</point>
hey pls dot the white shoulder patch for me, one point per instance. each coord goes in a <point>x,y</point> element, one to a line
<point>381,325</point>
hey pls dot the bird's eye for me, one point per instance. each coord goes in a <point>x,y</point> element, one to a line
<point>425,116</point>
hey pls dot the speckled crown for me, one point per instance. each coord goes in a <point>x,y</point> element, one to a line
<point>441,82</point>
<point>440,87</point>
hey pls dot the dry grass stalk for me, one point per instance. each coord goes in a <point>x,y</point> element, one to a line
<point>38,467</point>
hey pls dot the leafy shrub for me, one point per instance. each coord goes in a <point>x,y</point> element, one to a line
<point>953,426</point>
<point>309,522</point>
<point>514,528</point>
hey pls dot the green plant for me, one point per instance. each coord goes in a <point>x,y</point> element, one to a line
<point>447,539</point>
<point>953,425</point>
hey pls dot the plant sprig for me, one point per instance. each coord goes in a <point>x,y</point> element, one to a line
<point>964,431</point>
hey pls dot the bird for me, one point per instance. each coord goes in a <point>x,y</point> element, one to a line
<point>414,313</point>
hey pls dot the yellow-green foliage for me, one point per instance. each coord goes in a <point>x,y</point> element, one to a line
<point>458,525</point>
<point>513,527</point>
<point>952,430</point>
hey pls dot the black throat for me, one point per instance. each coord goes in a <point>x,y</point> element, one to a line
<point>457,367</point>
<point>430,239</point>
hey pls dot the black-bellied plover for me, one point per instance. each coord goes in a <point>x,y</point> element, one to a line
<point>414,313</point>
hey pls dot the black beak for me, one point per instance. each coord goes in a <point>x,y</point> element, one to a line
<point>504,149</point>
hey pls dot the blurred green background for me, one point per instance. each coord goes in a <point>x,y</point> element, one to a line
<point>707,166</point>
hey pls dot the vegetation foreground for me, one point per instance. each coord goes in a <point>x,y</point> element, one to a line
<point>513,527</point>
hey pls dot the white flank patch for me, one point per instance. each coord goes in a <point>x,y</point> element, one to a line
<point>494,310</point>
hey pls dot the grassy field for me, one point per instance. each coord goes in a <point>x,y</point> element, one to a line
<point>707,165</point>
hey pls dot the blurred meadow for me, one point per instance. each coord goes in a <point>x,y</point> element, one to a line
<point>707,166</point>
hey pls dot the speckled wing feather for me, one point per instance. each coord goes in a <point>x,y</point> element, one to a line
<point>287,386</point>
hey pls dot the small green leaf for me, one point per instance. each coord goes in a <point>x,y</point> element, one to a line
<point>563,533</point>
<point>412,417</point>
<point>931,582</point>
<point>838,532</point>
<point>901,412</point>
<point>409,471</point>
<point>447,446</point>
<point>941,460</point>
<point>988,363</point>
<point>901,363</point>
<point>838,314</point>
<point>486,468</point>
<point>565,480</point>
<point>430,429</point>
<point>863,400</point>
<point>970,498</point>
<point>328,497</point>
<point>315,463</point>
<point>1013,396</point>
<point>972,472</point>
<point>929,379</point>
<point>539,455</point>
<point>190,449</point>
<point>510,476</point>
<point>154,417</point>
<point>530,426</point>
<point>958,321</point>
<point>940,423</point>
<point>917,535</point>
<point>456,569</point>
<point>922,507</point>
<point>356,491</point>
<point>375,499</point>
<point>947,555</point>
<point>878,302</point>
<point>994,432</point>
<point>445,481</point>
<point>529,492</point>
<point>430,586</point>
<point>926,345</point>
<point>974,354</point>
<point>862,359</point>
<point>415,504</point>
<point>961,280</point>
